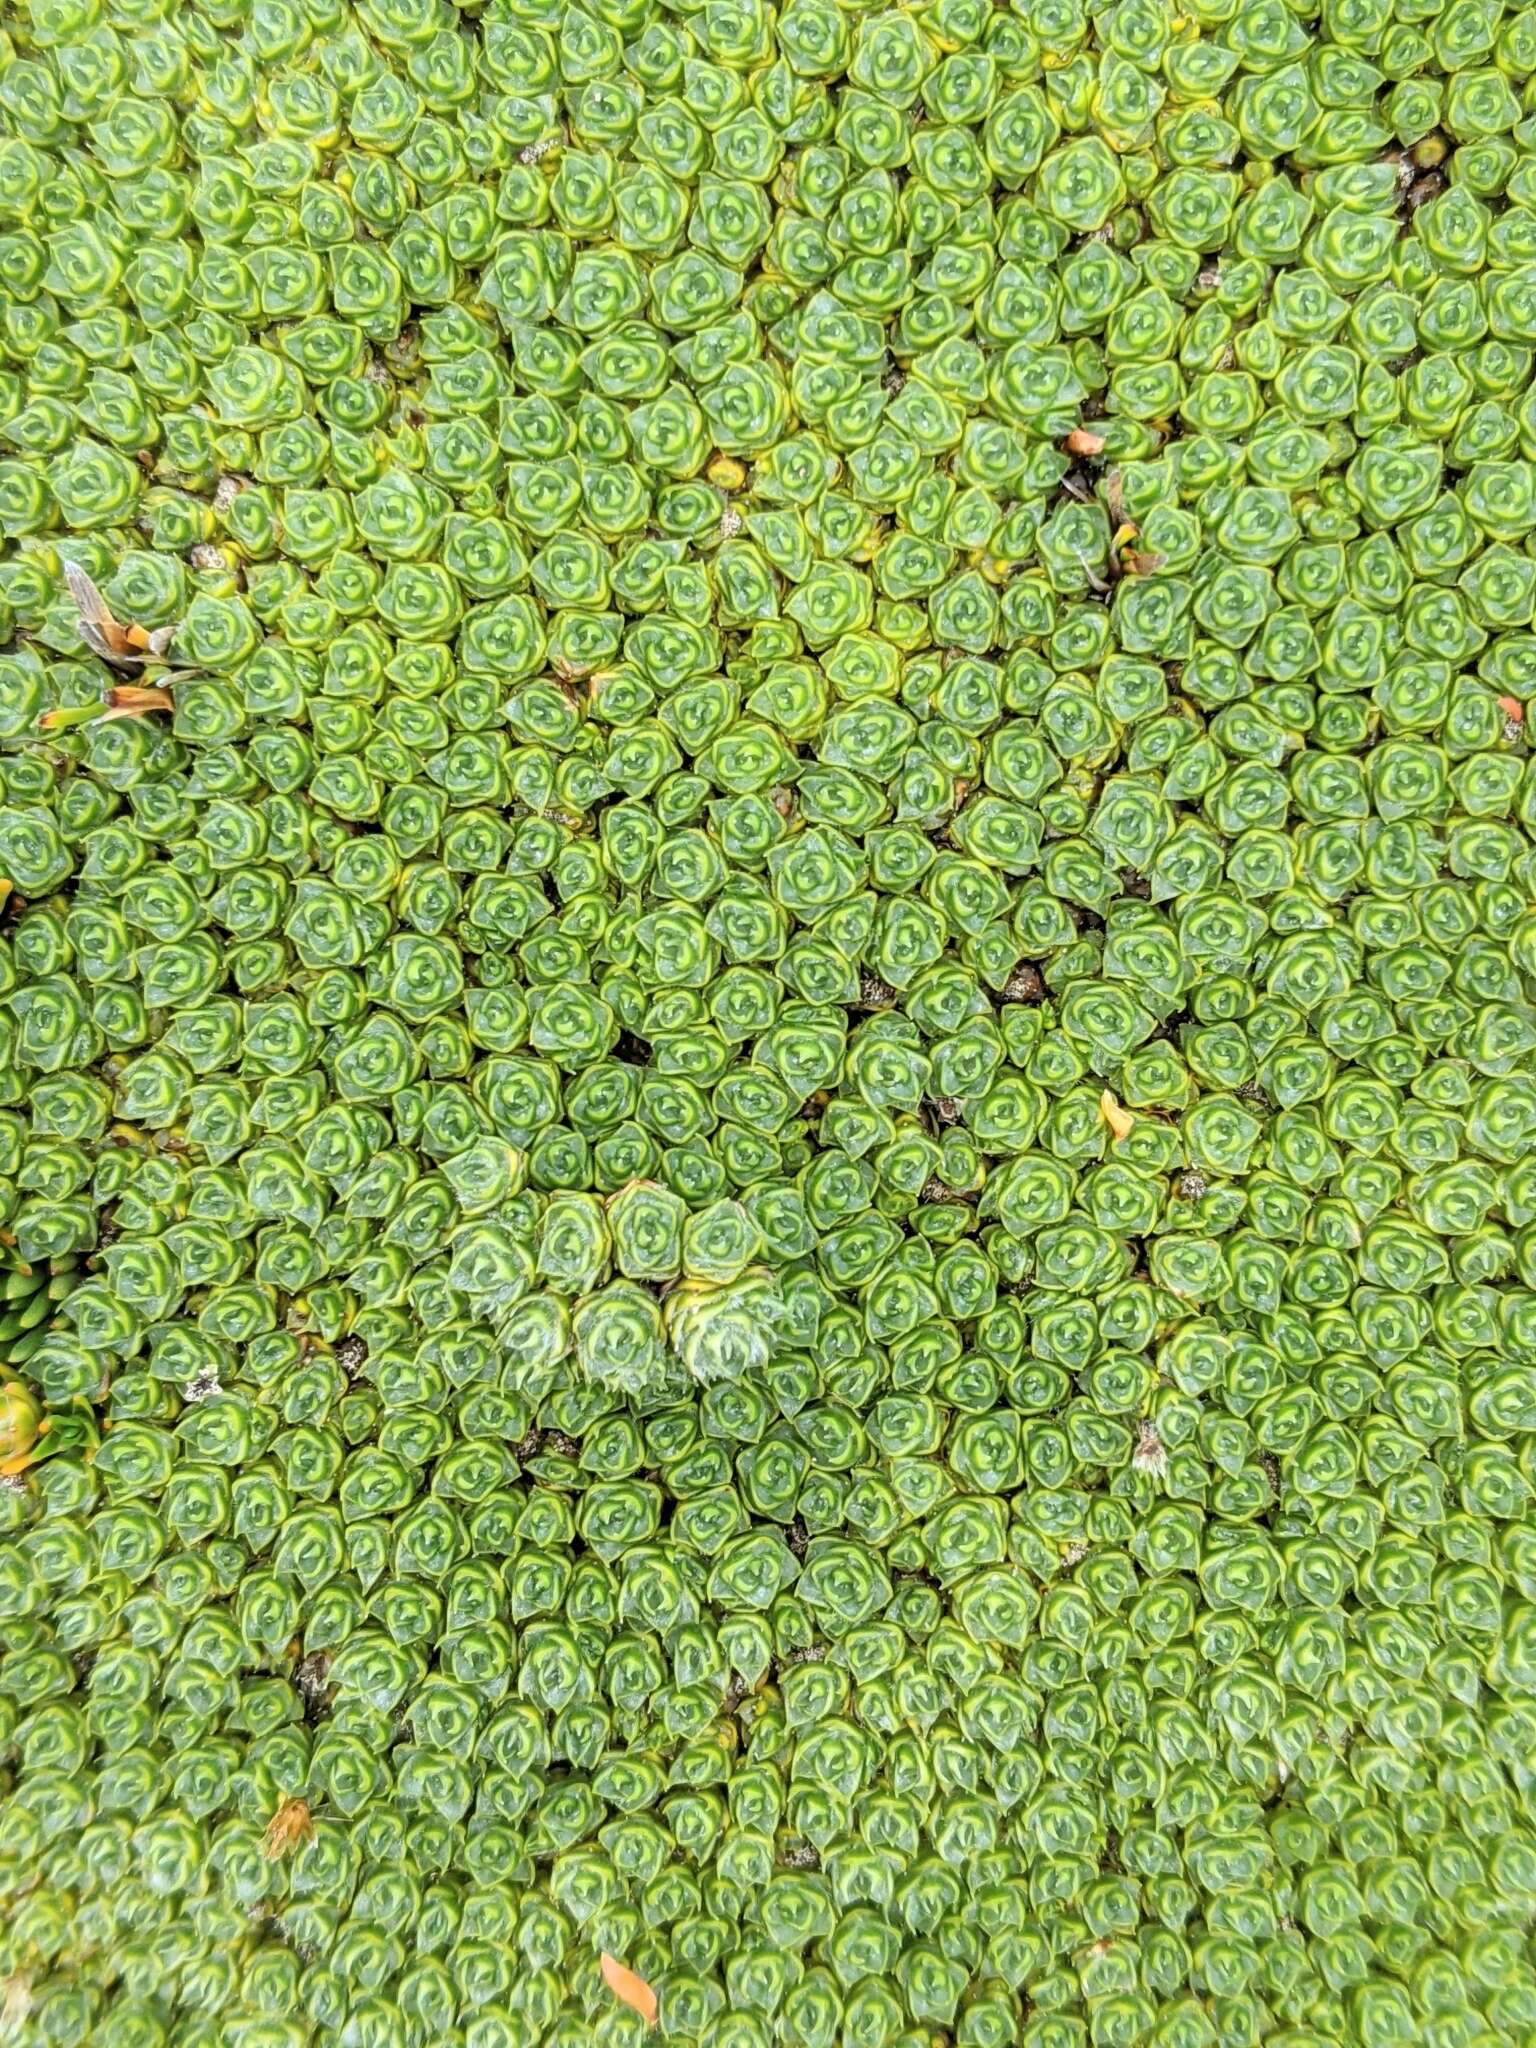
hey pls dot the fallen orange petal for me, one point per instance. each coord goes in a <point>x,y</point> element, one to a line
<point>1513,710</point>
<point>1083,441</point>
<point>629,1989</point>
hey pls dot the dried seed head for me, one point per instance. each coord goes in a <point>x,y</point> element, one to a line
<point>1149,1454</point>
<point>288,1829</point>
<point>15,2005</point>
<point>311,1681</point>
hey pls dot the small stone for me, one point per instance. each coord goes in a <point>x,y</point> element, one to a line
<point>1024,985</point>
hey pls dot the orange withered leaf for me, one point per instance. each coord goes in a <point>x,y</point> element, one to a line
<point>1084,441</point>
<point>123,646</point>
<point>629,1989</point>
<point>1120,1121</point>
<point>131,700</point>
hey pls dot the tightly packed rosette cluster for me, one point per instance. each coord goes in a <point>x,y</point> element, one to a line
<point>767,1023</point>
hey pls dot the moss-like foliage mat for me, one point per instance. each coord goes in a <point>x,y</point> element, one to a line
<point>767,1050</point>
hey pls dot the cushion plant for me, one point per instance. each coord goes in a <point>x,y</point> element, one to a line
<point>767,1023</point>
